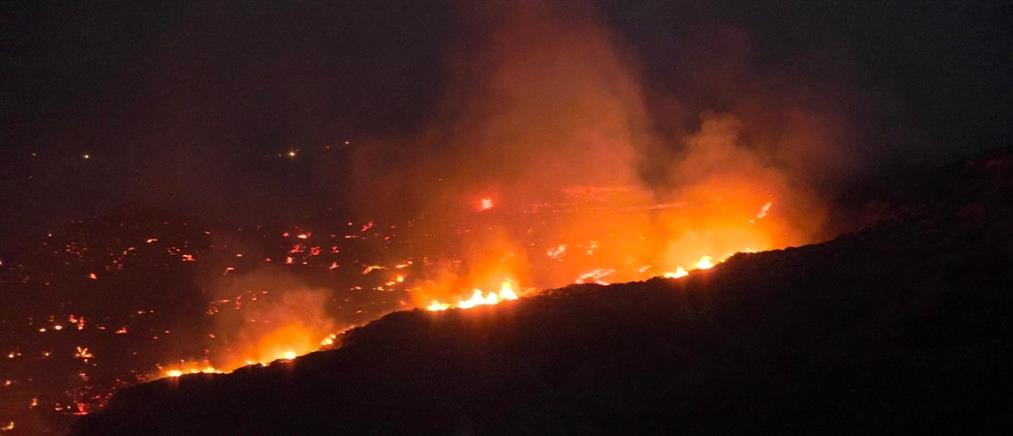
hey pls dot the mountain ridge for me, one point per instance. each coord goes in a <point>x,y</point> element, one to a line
<point>903,326</point>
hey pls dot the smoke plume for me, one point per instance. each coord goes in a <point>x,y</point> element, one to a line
<point>547,113</point>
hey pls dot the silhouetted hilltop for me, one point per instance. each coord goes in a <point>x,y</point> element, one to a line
<point>902,327</point>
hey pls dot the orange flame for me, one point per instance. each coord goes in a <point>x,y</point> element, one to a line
<point>479,298</point>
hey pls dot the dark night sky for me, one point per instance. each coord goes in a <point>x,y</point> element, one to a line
<point>186,105</point>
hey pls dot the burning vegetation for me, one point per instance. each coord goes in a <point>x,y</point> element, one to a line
<point>899,328</point>
<point>544,169</point>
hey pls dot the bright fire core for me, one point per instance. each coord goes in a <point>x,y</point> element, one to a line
<point>548,244</point>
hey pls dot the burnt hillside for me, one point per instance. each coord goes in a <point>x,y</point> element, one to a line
<point>900,327</point>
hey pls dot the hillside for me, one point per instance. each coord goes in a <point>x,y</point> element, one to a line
<point>900,327</point>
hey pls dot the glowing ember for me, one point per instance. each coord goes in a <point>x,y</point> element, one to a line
<point>371,268</point>
<point>485,204</point>
<point>556,252</point>
<point>83,353</point>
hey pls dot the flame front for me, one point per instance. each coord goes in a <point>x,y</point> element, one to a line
<point>479,298</point>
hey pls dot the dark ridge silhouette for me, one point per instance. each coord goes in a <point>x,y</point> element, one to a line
<point>900,328</point>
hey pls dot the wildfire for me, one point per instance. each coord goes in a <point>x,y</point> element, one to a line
<point>268,352</point>
<point>479,298</point>
<point>191,368</point>
<point>679,272</point>
<point>545,244</point>
<point>705,262</point>
<point>436,305</point>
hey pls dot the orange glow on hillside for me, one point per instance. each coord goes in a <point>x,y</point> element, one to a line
<point>478,298</point>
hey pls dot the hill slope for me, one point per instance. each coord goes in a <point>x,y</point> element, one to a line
<point>900,327</point>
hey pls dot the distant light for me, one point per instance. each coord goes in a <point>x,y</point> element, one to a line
<point>86,156</point>
<point>292,153</point>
